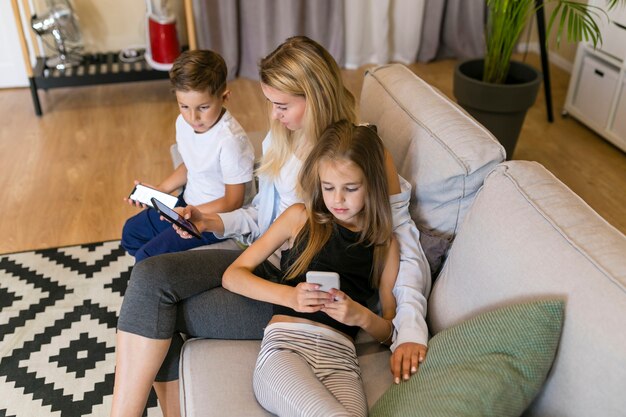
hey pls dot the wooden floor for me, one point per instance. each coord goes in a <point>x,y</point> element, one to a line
<point>64,175</point>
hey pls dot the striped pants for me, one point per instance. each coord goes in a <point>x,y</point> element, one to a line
<point>307,370</point>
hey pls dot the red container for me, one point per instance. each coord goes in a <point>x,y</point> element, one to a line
<point>164,44</point>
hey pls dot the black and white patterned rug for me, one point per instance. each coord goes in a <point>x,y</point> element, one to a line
<point>58,314</point>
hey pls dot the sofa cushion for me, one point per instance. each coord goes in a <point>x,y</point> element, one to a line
<point>230,363</point>
<point>436,146</point>
<point>491,365</point>
<point>527,236</point>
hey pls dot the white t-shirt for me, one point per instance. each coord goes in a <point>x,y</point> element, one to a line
<point>222,155</point>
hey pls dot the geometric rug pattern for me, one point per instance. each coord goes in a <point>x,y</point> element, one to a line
<point>58,316</point>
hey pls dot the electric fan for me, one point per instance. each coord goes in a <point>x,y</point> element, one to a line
<point>62,23</point>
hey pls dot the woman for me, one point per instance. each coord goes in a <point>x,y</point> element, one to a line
<point>182,292</point>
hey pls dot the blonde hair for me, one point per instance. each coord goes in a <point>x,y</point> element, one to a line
<point>302,67</point>
<point>343,141</point>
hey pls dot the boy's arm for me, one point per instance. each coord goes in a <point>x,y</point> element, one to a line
<point>236,158</point>
<point>177,179</point>
<point>233,199</point>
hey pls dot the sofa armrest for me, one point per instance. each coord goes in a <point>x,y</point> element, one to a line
<point>529,237</point>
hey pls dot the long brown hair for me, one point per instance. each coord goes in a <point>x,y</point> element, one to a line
<point>343,141</point>
<point>302,67</point>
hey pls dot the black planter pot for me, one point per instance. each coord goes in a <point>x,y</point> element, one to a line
<point>501,108</point>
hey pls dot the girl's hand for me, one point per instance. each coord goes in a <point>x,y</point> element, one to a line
<point>308,299</point>
<point>343,309</point>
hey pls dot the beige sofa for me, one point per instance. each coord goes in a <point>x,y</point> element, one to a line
<point>505,232</point>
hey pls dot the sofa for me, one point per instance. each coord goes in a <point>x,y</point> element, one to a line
<point>527,310</point>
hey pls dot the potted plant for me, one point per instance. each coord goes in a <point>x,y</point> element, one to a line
<point>497,90</point>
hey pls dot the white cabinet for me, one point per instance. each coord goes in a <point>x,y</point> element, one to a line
<point>597,91</point>
<point>597,83</point>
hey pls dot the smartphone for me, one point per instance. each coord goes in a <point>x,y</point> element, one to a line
<point>327,280</point>
<point>143,194</point>
<point>175,218</point>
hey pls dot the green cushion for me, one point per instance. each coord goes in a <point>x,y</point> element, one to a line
<point>491,365</point>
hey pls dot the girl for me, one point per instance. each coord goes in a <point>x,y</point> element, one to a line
<point>308,365</point>
<point>182,293</point>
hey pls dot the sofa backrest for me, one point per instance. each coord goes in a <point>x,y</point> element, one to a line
<point>528,237</point>
<point>436,146</point>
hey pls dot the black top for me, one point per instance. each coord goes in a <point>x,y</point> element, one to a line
<point>352,262</point>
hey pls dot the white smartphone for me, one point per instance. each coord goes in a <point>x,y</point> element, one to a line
<point>326,280</point>
<point>144,194</point>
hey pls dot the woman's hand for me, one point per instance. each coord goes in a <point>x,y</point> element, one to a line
<point>308,299</point>
<point>194,215</point>
<point>343,309</point>
<point>406,359</point>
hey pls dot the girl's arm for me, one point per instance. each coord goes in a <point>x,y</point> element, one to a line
<point>413,282</point>
<point>239,278</point>
<point>349,312</point>
<point>385,288</point>
<point>381,328</point>
<point>392,174</point>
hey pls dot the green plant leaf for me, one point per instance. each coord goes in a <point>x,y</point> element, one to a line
<point>506,19</point>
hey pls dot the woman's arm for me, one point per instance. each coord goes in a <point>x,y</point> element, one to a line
<point>412,284</point>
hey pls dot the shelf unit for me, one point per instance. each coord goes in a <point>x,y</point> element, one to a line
<point>97,68</point>
<point>94,69</point>
<point>596,95</point>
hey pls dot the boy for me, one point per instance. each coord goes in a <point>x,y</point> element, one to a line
<point>217,157</point>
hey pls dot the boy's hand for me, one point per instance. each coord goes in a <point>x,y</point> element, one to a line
<point>406,359</point>
<point>135,203</point>
<point>308,299</point>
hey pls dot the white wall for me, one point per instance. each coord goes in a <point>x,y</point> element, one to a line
<point>111,25</point>
<point>12,69</point>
